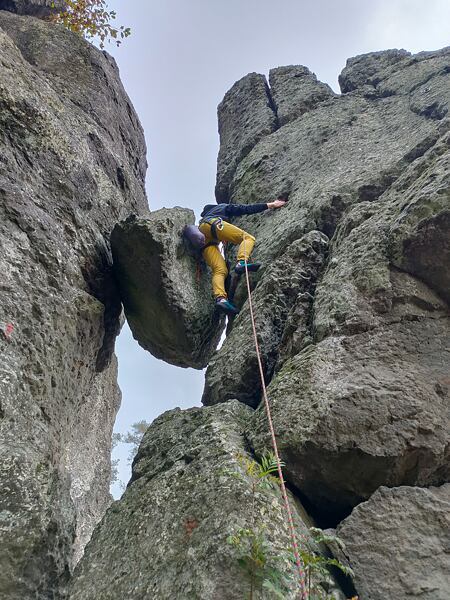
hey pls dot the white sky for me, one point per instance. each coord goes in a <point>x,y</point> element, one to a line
<point>182,56</point>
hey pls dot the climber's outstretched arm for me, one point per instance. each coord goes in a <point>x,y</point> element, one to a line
<point>236,210</point>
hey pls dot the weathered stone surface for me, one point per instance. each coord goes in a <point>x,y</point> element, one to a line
<point>246,114</point>
<point>282,307</point>
<point>353,413</point>
<point>72,164</point>
<point>355,340</point>
<point>375,384</point>
<point>169,305</point>
<point>360,389</point>
<point>397,544</point>
<point>166,538</point>
<point>295,91</point>
<point>35,8</point>
<point>333,157</point>
<point>389,260</point>
<point>357,353</point>
<point>368,69</point>
<point>93,426</point>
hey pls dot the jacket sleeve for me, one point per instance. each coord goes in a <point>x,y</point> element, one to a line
<point>236,210</point>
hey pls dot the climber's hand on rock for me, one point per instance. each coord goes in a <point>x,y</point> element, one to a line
<point>276,204</point>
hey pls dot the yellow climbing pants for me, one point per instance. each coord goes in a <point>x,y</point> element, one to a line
<point>214,258</point>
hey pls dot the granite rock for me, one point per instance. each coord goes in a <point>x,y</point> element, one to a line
<point>282,306</point>
<point>374,383</point>
<point>368,69</point>
<point>34,8</point>
<point>190,490</point>
<point>72,164</point>
<point>246,115</point>
<point>295,91</point>
<point>397,544</point>
<point>166,292</point>
<point>368,371</point>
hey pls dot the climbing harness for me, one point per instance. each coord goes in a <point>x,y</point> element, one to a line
<point>215,223</point>
<point>298,562</point>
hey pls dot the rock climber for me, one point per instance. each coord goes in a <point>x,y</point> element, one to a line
<point>216,228</point>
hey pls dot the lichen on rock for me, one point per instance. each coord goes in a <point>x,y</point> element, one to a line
<point>190,491</point>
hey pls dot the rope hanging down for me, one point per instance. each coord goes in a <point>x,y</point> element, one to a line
<point>298,562</point>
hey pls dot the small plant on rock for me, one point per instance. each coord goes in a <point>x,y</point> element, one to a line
<point>317,565</point>
<point>254,549</point>
<point>275,572</point>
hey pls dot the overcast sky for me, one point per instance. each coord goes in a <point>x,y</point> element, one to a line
<point>182,56</point>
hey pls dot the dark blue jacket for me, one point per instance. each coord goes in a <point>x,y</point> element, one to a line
<point>225,211</point>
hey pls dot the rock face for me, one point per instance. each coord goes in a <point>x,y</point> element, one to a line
<point>35,8</point>
<point>281,301</point>
<point>295,91</point>
<point>190,491</point>
<point>73,163</point>
<point>356,354</point>
<point>352,311</point>
<point>360,397</point>
<point>397,543</point>
<point>352,318</point>
<point>374,383</point>
<point>167,298</point>
<point>246,115</point>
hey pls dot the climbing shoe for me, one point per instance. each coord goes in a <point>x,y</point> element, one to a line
<point>240,267</point>
<point>226,306</point>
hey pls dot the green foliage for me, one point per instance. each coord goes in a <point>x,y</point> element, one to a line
<point>265,473</point>
<point>254,552</point>
<point>272,572</point>
<point>114,462</point>
<point>133,437</point>
<point>93,20</point>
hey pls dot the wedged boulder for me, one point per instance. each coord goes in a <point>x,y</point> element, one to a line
<point>281,303</point>
<point>295,91</point>
<point>168,303</point>
<point>167,537</point>
<point>397,544</point>
<point>246,114</point>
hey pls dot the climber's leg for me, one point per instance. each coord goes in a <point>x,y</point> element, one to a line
<point>231,233</point>
<point>215,260</point>
<point>234,235</point>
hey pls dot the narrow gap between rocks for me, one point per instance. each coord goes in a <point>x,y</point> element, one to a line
<point>149,387</point>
